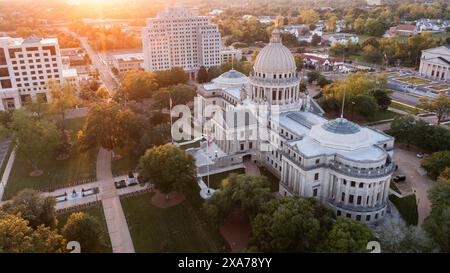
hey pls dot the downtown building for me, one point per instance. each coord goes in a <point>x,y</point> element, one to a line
<point>179,37</point>
<point>345,166</point>
<point>26,68</point>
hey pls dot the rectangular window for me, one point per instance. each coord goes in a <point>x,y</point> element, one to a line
<point>4,72</point>
<point>343,197</point>
<point>2,57</point>
<point>315,192</point>
<point>353,183</point>
<point>359,200</point>
<point>5,84</point>
<point>350,198</point>
<point>367,217</point>
<point>316,176</point>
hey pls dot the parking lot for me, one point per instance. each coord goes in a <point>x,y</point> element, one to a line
<point>409,165</point>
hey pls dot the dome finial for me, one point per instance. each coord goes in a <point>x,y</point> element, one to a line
<point>276,36</point>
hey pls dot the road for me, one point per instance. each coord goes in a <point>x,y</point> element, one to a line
<point>409,165</point>
<point>405,98</point>
<point>97,62</point>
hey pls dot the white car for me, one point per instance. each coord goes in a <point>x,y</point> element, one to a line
<point>420,155</point>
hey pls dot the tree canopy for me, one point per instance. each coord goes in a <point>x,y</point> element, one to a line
<point>291,224</point>
<point>168,167</point>
<point>248,193</point>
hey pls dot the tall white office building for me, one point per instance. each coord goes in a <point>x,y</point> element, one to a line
<point>26,67</point>
<point>179,37</point>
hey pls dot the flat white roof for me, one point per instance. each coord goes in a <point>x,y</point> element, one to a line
<point>129,57</point>
<point>69,73</point>
<point>300,124</point>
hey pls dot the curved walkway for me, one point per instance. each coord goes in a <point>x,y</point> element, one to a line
<point>119,234</point>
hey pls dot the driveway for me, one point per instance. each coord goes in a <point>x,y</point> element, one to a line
<point>409,165</point>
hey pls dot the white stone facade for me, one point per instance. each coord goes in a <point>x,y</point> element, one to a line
<point>26,67</point>
<point>179,37</point>
<point>344,165</point>
<point>435,63</point>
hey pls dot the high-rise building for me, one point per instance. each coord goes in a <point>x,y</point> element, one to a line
<point>26,67</point>
<point>179,37</point>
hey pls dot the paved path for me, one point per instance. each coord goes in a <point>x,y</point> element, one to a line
<point>115,218</point>
<point>251,168</point>
<point>409,165</point>
<point>6,173</point>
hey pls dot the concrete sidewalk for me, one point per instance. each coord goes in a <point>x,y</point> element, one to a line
<point>119,234</point>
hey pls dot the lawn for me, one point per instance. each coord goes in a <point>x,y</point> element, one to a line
<point>216,179</point>
<point>407,206</point>
<point>78,167</point>
<point>128,161</point>
<point>403,107</point>
<point>414,80</point>
<point>191,145</point>
<point>96,212</point>
<point>181,228</point>
<point>440,87</point>
<point>382,115</point>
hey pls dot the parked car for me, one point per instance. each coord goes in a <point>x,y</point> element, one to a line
<point>120,184</point>
<point>420,155</point>
<point>399,178</point>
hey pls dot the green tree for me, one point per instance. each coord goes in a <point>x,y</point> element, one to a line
<point>298,62</point>
<point>35,140</point>
<point>170,77</point>
<point>14,233</point>
<point>347,236</point>
<point>180,94</point>
<point>291,224</point>
<point>402,128</point>
<point>17,237</point>
<point>313,76</point>
<point>86,230</point>
<point>436,163</point>
<point>138,85</point>
<point>248,193</point>
<point>437,224</point>
<point>315,39</point>
<point>397,237</point>
<point>33,207</point>
<point>365,105</point>
<point>63,98</point>
<point>440,106</point>
<point>180,168</point>
<point>382,98</point>
<point>374,27</point>
<point>108,125</point>
<point>202,75</point>
<point>46,240</point>
<point>371,54</point>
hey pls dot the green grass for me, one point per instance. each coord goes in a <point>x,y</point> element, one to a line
<point>414,80</point>
<point>440,87</point>
<point>181,228</point>
<point>215,180</point>
<point>79,166</point>
<point>382,115</point>
<point>127,162</point>
<point>408,109</point>
<point>97,213</point>
<point>407,206</point>
<point>191,145</point>
<point>394,187</point>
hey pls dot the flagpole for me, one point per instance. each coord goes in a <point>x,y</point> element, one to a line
<point>171,122</point>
